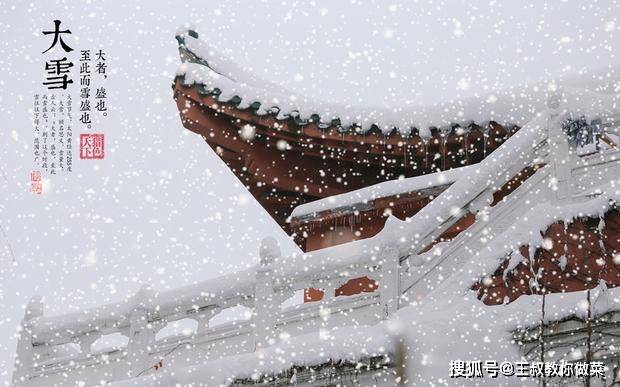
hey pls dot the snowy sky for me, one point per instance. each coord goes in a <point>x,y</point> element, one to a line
<point>161,208</point>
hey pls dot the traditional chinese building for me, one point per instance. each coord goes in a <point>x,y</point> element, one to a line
<point>328,180</point>
<point>449,239</point>
<point>286,159</point>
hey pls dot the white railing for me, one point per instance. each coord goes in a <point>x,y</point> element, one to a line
<point>42,343</point>
<point>540,142</point>
<point>389,258</point>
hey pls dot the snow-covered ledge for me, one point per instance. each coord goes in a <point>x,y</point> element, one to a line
<point>263,289</point>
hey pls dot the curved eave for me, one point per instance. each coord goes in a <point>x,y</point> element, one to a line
<point>295,127</point>
<point>260,108</point>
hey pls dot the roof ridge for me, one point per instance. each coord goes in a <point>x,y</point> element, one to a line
<point>219,76</point>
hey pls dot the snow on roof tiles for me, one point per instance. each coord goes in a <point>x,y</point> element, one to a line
<point>219,76</point>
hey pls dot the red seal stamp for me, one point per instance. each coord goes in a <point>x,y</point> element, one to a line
<point>92,146</point>
<point>36,186</point>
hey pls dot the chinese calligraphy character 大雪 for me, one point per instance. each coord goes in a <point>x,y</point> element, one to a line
<point>58,69</point>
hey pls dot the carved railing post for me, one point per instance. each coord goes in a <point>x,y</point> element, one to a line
<point>141,334</point>
<point>24,358</point>
<point>325,307</point>
<point>266,307</point>
<point>203,318</point>
<point>390,280</point>
<point>85,342</point>
<point>560,153</point>
<point>329,291</point>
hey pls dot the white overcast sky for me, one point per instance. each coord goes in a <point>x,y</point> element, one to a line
<point>161,208</point>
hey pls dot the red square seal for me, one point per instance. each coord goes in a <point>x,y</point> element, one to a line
<point>91,146</point>
<point>36,187</point>
<point>35,176</point>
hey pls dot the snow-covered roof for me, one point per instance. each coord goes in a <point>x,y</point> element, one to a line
<point>529,229</point>
<point>217,75</point>
<point>382,190</point>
